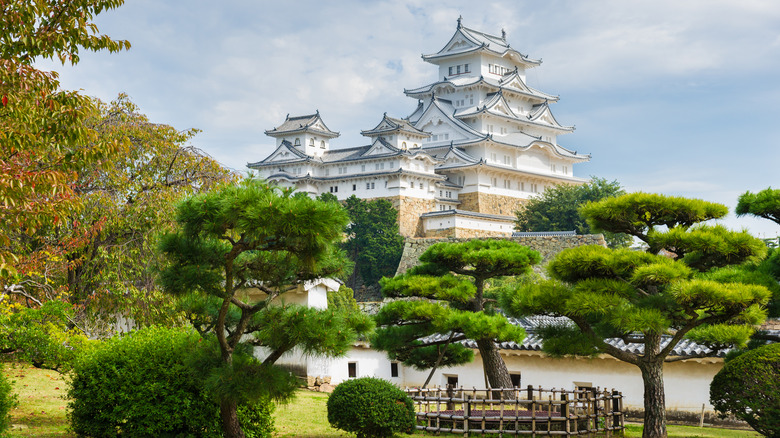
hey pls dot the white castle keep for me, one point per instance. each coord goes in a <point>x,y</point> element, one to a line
<point>478,145</point>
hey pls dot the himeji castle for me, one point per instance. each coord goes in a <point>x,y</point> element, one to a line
<point>478,145</point>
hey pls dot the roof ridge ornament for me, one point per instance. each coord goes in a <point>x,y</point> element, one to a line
<point>460,19</point>
<point>503,34</point>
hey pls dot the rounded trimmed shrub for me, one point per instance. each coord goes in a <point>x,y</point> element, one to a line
<point>748,386</point>
<point>370,407</point>
<point>8,401</point>
<point>141,385</point>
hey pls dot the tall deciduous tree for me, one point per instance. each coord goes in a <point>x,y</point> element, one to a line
<point>43,137</point>
<point>101,258</point>
<point>255,236</point>
<point>455,306</point>
<point>557,209</point>
<point>645,298</point>
<point>373,241</point>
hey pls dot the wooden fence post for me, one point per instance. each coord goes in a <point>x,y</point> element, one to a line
<point>466,413</point>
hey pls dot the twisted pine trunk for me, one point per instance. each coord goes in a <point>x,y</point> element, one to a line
<point>495,368</point>
<point>228,411</point>
<point>655,399</point>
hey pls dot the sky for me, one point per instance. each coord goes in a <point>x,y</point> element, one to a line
<point>668,96</point>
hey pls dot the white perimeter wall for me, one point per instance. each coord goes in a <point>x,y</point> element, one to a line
<point>468,222</point>
<point>687,383</point>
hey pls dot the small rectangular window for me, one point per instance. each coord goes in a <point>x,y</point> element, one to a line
<point>452,381</point>
<point>458,68</point>
<point>372,185</point>
<point>354,187</point>
<point>450,71</point>
<point>352,369</point>
<point>394,369</point>
<point>467,68</point>
<point>368,186</point>
<point>515,377</point>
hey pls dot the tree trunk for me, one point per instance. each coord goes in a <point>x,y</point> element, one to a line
<point>493,364</point>
<point>655,399</point>
<point>228,411</point>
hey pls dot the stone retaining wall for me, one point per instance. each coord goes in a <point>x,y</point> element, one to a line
<point>490,204</point>
<point>548,246</point>
<point>409,211</point>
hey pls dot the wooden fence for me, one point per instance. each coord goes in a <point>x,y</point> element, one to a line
<point>516,411</point>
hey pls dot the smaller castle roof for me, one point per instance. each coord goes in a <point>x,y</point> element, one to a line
<point>466,40</point>
<point>390,125</point>
<point>309,123</point>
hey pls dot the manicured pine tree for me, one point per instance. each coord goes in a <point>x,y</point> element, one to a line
<point>645,298</point>
<point>255,236</point>
<point>765,204</point>
<point>451,280</point>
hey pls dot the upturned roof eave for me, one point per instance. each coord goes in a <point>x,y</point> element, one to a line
<point>528,63</point>
<point>425,90</point>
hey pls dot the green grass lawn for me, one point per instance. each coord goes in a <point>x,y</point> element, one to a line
<point>42,407</point>
<point>41,410</point>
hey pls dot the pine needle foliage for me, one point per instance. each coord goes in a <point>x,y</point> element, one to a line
<point>556,209</point>
<point>445,296</point>
<point>236,253</point>
<point>649,299</point>
<point>765,204</point>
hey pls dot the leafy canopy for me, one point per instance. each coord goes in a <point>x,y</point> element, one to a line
<point>373,241</point>
<point>43,137</point>
<point>748,386</point>
<point>557,209</point>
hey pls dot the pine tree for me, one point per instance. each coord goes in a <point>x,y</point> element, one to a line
<point>256,237</point>
<point>451,279</point>
<point>646,298</point>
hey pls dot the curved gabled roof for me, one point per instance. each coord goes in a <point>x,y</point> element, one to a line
<point>415,115</point>
<point>542,114</point>
<point>494,104</point>
<point>285,147</point>
<point>475,41</point>
<point>445,108</point>
<point>308,123</point>
<point>512,83</point>
<point>392,125</point>
<point>556,149</point>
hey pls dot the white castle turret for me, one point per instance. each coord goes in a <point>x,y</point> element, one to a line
<point>479,144</point>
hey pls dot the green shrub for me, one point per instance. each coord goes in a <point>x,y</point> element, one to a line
<point>370,407</point>
<point>141,385</point>
<point>748,386</point>
<point>8,401</point>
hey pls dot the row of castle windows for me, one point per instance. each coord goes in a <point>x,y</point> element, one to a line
<point>532,187</point>
<point>494,158</point>
<point>344,170</point>
<point>497,69</point>
<point>462,102</point>
<point>502,130</point>
<point>311,142</point>
<point>458,69</point>
<point>437,137</point>
<point>564,169</point>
